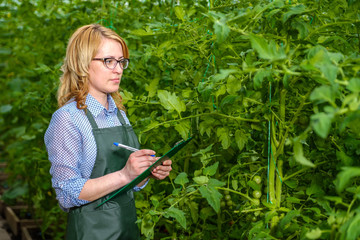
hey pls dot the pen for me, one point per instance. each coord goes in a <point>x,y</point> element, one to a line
<point>128,147</point>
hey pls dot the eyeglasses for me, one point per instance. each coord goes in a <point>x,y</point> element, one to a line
<point>110,63</point>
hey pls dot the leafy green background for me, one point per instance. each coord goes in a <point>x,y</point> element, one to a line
<point>267,89</point>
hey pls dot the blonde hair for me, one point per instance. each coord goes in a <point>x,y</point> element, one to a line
<point>82,47</point>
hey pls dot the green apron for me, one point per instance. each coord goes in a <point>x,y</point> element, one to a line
<point>116,218</point>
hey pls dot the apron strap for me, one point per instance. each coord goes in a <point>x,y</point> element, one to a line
<point>121,118</point>
<point>91,119</point>
<point>93,123</point>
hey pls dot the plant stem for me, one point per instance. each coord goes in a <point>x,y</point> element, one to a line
<point>297,113</point>
<point>236,192</point>
<point>252,210</point>
<point>300,171</point>
<point>329,25</point>
<point>279,182</point>
<point>272,169</point>
<point>200,115</point>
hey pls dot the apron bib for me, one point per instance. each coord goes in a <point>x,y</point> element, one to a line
<point>116,218</point>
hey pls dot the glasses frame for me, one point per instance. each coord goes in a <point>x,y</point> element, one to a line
<point>118,62</point>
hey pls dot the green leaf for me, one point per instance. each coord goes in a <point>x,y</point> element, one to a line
<point>254,185</point>
<point>179,12</point>
<point>353,231</point>
<point>142,32</point>
<point>5,51</point>
<point>223,74</point>
<point>220,91</point>
<point>267,51</point>
<point>325,205</point>
<point>152,87</point>
<point>221,28</point>
<point>178,215</point>
<point>126,96</point>
<point>233,85</point>
<point>152,125</point>
<point>147,229</point>
<point>155,201</point>
<point>293,200</point>
<point>194,210</point>
<point>211,170</point>
<point>288,217</point>
<point>206,126</point>
<point>260,76</point>
<point>321,59</point>
<point>296,10</point>
<point>234,184</point>
<point>42,68</point>
<point>291,183</point>
<point>321,123</point>
<point>299,156</point>
<point>223,134</point>
<point>301,27</point>
<point>5,108</point>
<point>354,85</point>
<point>171,102</point>
<point>344,177</point>
<point>322,94</point>
<point>212,196</point>
<point>257,228</point>
<point>314,189</point>
<point>206,212</point>
<point>335,199</point>
<point>183,128</point>
<point>345,159</point>
<point>181,179</point>
<point>314,233</point>
<point>229,100</point>
<point>215,183</point>
<point>241,139</point>
<point>201,180</point>
<point>17,190</point>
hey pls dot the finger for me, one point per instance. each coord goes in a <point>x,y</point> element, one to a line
<point>166,168</point>
<point>143,158</point>
<point>162,169</point>
<point>160,176</point>
<point>167,163</point>
<point>146,163</point>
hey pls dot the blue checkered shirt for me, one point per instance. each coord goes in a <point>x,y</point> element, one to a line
<point>72,149</point>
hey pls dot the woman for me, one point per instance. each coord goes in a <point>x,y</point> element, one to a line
<point>85,165</point>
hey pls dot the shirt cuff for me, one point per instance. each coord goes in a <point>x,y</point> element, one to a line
<point>137,189</point>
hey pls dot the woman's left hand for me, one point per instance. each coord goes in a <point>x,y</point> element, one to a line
<point>162,171</point>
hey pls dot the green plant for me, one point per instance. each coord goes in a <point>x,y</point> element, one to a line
<point>269,90</point>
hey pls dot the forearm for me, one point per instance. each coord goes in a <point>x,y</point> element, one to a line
<point>98,187</point>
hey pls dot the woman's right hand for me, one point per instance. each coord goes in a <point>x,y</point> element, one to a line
<point>138,162</point>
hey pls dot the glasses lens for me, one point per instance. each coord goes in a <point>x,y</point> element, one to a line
<point>110,63</point>
<point>124,63</point>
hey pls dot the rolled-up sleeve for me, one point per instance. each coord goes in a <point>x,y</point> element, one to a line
<point>64,146</point>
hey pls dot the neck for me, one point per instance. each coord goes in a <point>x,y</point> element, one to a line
<point>102,99</point>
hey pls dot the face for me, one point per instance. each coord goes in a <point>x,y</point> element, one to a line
<point>101,79</point>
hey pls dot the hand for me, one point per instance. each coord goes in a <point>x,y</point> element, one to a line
<point>138,162</point>
<point>162,171</point>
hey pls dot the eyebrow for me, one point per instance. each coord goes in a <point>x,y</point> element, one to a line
<point>114,57</point>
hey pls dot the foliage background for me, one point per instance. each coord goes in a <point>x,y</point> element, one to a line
<point>268,89</point>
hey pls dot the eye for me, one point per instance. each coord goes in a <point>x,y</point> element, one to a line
<point>109,61</point>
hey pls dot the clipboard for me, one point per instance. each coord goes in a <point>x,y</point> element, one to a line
<point>148,171</point>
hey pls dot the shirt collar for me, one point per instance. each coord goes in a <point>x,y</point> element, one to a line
<point>96,108</point>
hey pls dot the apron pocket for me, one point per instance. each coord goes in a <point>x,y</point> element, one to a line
<point>109,223</point>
